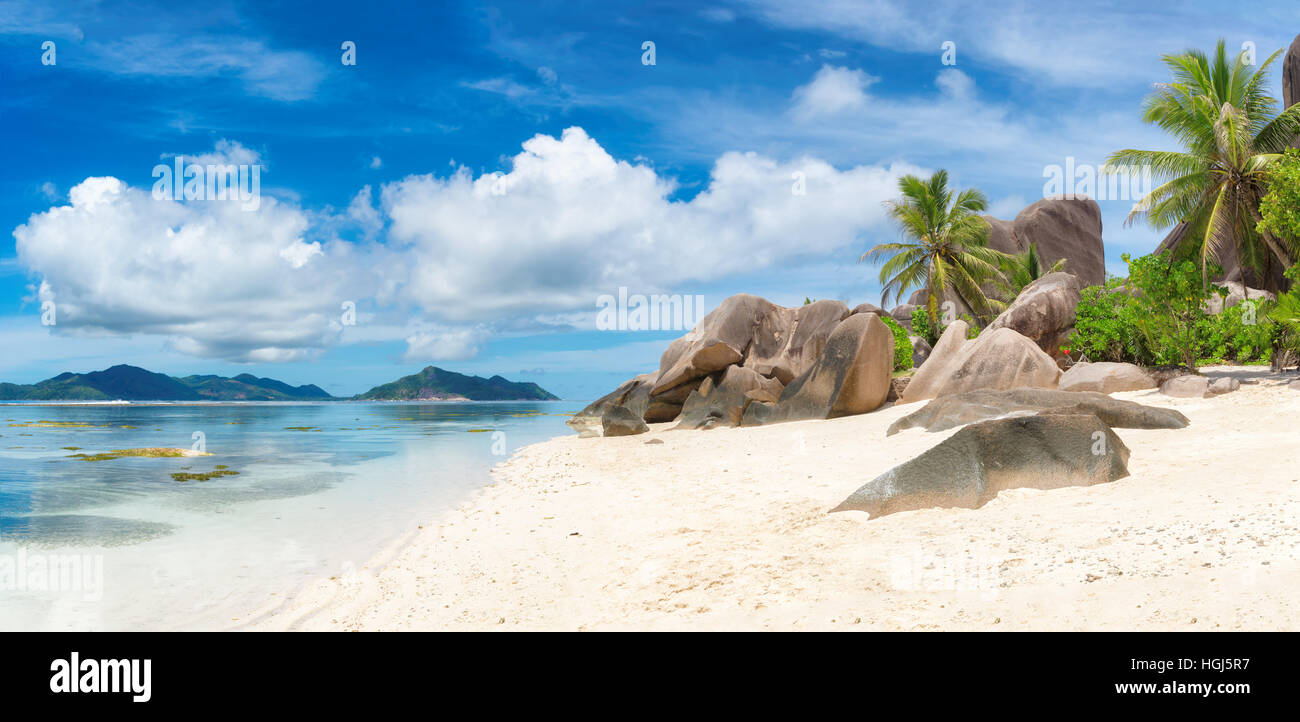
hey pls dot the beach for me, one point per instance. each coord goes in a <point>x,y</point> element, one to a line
<point>728,529</point>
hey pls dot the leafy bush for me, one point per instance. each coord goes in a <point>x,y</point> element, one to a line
<point>902,344</point>
<point>1240,334</point>
<point>921,326</point>
<point>1157,316</point>
<point>1280,206</point>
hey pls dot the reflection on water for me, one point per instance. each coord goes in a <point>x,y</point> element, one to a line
<point>316,486</point>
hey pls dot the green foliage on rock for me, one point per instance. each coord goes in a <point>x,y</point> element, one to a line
<point>902,344</point>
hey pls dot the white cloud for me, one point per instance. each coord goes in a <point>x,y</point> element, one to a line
<point>444,343</point>
<point>215,280</point>
<point>547,75</point>
<point>284,75</point>
<point>569,222</point>
<point>832,91</point>
<point>1098,44</point>
<point>376,163</point>
<point>508,252</point>
<point>955,84</point>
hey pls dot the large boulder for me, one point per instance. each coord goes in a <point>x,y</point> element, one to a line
<point>1066,228</point>
<point>997,359</point>
<point>724,404</point>
<point>622,421</point>
<point>852,376</point>
<point>868,308</point>
<point>945,350</point>
<point>719,340</point>
<point>948,412</point>
<point>1044,312</point>
<point>786,341</point>
<point>902,313</point>
<point>973,465</point>
<point>1106,377</point>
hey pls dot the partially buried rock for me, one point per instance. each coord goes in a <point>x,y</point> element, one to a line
<point>1223,386</point>
<point>1186,387</point>
<point>972,466</point>
<point>998,359</point>
<point>1106,377</point>
<point>621,421</point>
<point>948,412</point>
<point>852,376</point>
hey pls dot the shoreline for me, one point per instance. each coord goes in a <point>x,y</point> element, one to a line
<point>727,529</point>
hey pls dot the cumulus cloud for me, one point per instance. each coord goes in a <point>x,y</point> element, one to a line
<point>469,256</point>
<point>215,280</point>
<point>444,343</point>
<point>833,90</point>
<point>570,222</point>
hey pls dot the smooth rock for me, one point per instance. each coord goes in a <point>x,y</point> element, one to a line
<point>1106,377</point>
<point>997,359</point>
<point>972,466</point>
<point>621,421</point>
<point>947,412</point>
<point>1186,387</point>
<point>1044,312</point>
<point>852,376</point>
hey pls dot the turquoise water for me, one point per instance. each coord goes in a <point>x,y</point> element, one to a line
<point>320,489</point>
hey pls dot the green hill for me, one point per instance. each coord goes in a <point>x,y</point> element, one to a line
<point>435,384</point>
<point>131,383</point>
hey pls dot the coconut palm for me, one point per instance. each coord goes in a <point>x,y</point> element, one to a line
<point>1021,269</point>
<point>1222,114</point>
<point>946,247</point>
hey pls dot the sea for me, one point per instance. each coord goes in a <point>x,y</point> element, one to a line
<point>92,541</point>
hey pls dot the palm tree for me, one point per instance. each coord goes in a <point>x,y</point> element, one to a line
<point>1021,269</point>
<point>947,247</point>
<point>1222,114</point>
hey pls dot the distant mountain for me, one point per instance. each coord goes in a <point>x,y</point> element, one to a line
<point>131,383</point>
<point>435,384</point>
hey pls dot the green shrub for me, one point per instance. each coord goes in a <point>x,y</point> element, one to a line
<point>921,326</point>
<point>902,344</point>
<point>1164,320</point>
<point>1280,206</point>
<point>1241,333</point>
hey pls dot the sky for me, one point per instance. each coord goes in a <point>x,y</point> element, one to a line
<point>459,184</point>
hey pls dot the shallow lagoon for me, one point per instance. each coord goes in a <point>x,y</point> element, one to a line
<point>320,489</point>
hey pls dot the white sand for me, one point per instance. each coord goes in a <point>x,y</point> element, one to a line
<point>727,529</point>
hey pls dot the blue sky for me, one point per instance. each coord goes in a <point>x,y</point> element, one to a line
<point>484,172</point>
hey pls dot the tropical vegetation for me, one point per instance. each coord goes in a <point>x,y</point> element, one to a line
<point>1220,110</point>
<point>945,247</point>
